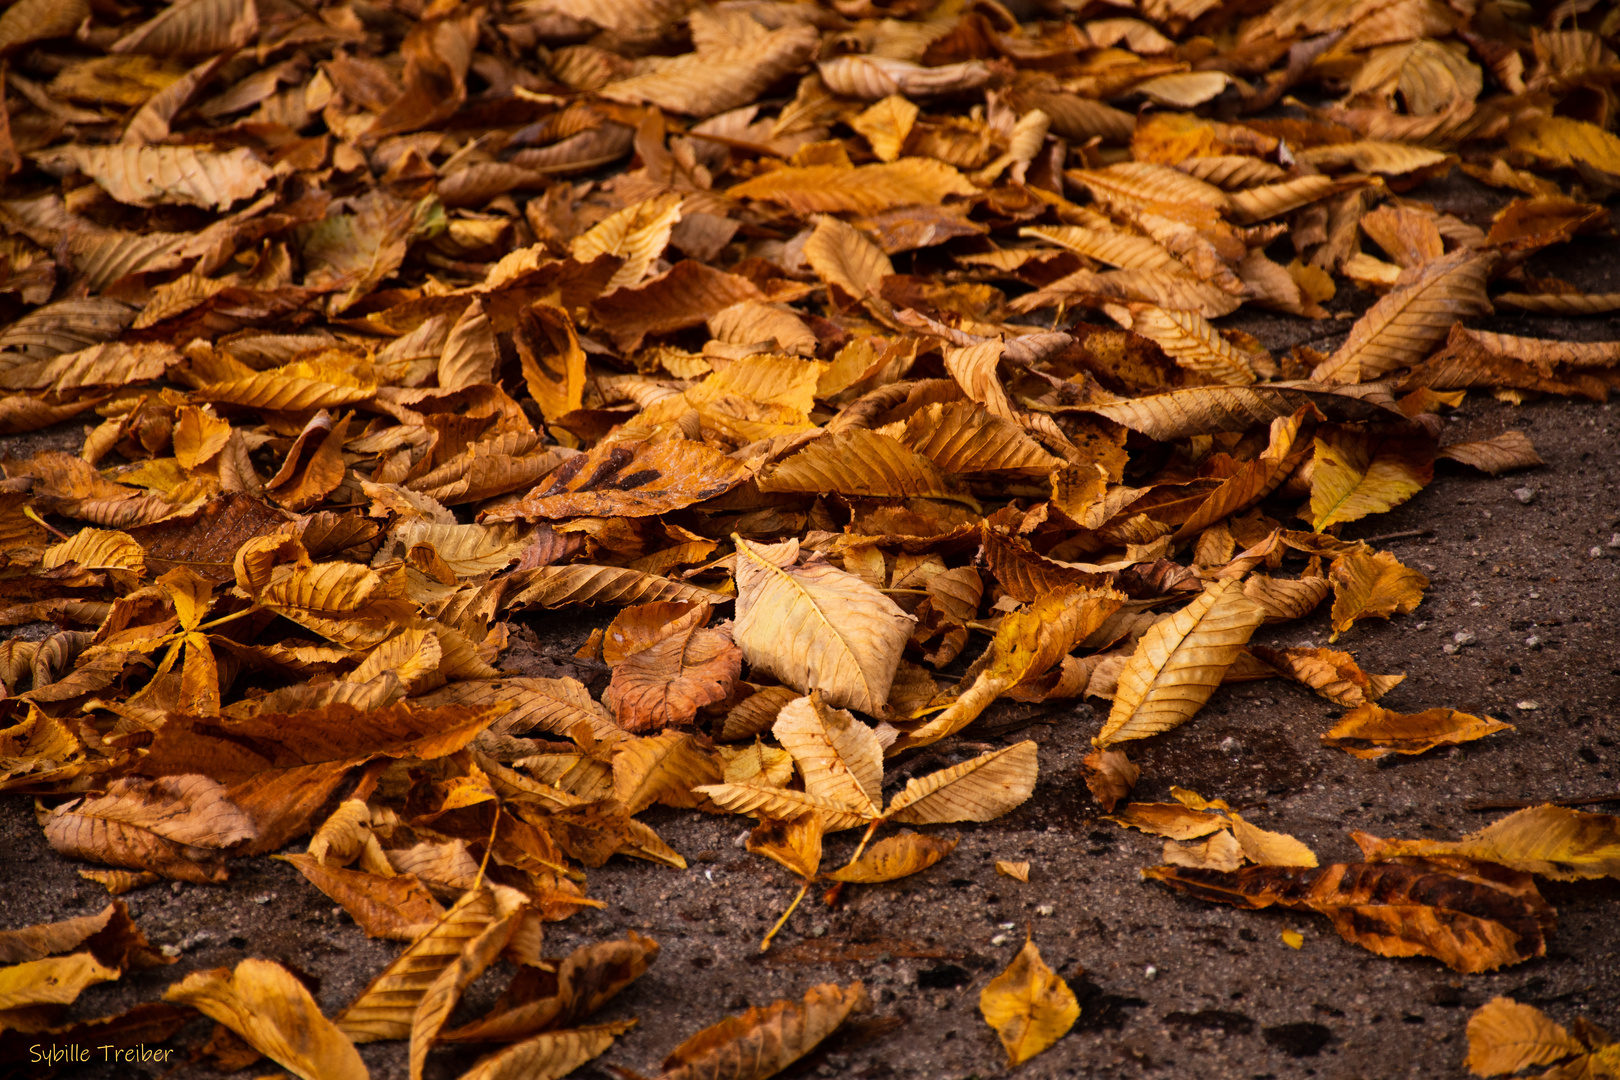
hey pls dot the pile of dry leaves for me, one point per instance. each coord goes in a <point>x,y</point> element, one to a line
<point>393,326</point>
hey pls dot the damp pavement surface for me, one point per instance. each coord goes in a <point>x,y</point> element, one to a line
<point>1168,986</point>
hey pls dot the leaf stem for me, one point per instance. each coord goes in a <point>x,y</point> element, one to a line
<point>232,617</point>
<point>28,512</point>
<point>764,946</point>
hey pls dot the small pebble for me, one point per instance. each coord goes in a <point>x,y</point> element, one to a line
<point>1463,638</point>
<point>1596,552</point>
<point>742,839</point>
<point>1524,495</point>
<point>1529,706</point>
<point>1000,939</point>
<point>1230,745</point>
<point>1614,541</point>
<point>1421,626</point>
<point>1449,649</point>
<point>1151,972</point>
<point>264,898</point>
<point>1045,909</point>
<point>170,951</point>
<point>1008,925</point>
<point>1533,641</point>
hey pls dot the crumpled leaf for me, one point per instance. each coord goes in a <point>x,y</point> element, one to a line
<point>1472,918</point>
<point>894,857</point>
<point>1373,732</point>
<point>1369,584</point>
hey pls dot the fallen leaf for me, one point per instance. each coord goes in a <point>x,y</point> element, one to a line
<point>265,1004</point>
<point>1373,732</point>
<point>765,1040</point>
<point>1555,842</point>
<point>1029,1007</point>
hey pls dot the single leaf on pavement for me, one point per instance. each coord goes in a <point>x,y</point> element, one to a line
<point>1371,731</point>
<point>1028,1005</point>
<point>765,1040</point>
<point>1368,584</point>
<point>1357,474</point>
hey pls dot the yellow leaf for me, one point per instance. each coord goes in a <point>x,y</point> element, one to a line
<point>1173,820</point>
<point>844,257</point>
<point>1203,410</point>
<point>1179,663</point>
<point>868,189</point>
<point>783,804</point>
<point>199,435</point>
<point>1555,842</point>
<point>1189,340</point>
<point>636,235</point>
<point>441,996</point>
<point>550,1055</point>
<point>886,125</point>
<point>1369,584</point>
<point>1029,1007</point>
<point>1266,848</point>
<point>1373,732</point>
<point>1293,939</point>
<point>1018,871</point>
<point>269,1008</point>
<point>54,981</point>
<point>1357,474</point>
<point>1565,141</point>
<point>817,627</point>
<point>660,767</point>
<point>1505,1037</point>
<point>795,844</point>
<point>895,857</point>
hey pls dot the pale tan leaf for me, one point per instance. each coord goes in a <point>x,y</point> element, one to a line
<point>980,789</point>
<point>839,757</point>
<point>387,1007</point>
<point>38,20</point>
<point>711,81</point>
<point>1504,453</point>
<point>1404,326</point>
<point>1189,339</point>
<point>150,175</point>
<point>765,1040</point>
<point>177,826</point>
<point>782,804</point>
<point>194,28</point>
<point>817,627</point>
<point>1179,663</point>
<point>550,1055</point>
<point>964,436</point>
<point>871,77</point>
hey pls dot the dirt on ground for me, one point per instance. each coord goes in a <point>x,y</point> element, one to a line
<point>1518,624</point>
